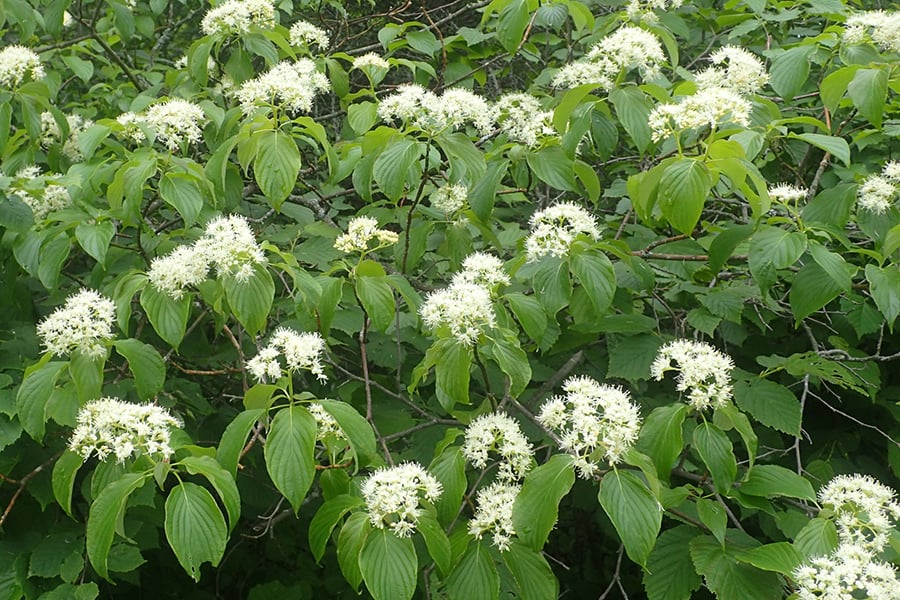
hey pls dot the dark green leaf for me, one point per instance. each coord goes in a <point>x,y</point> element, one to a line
<point>388,565</point>
<point>670,573</point>
<point>475,576</point>
<point>774,481</point>
<point>683,189</point>
<point>145,364</point>
<point>103,516</point>
<point>289,453</point>
<point>537,505</point>
<point>276,166</point>
<point>769,403</point>
<point>195,527</point>
<point>715,449</point>
<point>251,299</point>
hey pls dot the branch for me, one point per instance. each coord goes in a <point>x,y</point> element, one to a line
<point>22,483</point>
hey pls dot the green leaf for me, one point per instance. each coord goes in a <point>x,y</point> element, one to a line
<point>836,146</point>
<point>94,238</point>
<point>168,316</point>
<point>511,24</point>
<point>713,515</point>
<point>724,244</point>
<point>392,167</point>
<point>87,373</point>
<point>634,512</point>
<point>868,91</point>
<point>53,255</point>
<point>683,189</point>
<point>350,544</point>
<point>357,429</point>
<point>772,248</point>
<point>104,515</point>
<point>289,450</point>
<point>774,481</point>
<point>812,289</point>
<point>534,577</point>
<point>483,193</point>
<point>436,541</point>
<point>388,565</point>
<point>817,538</point>
<point>552,285</point>
<point>145,364</point>
<point>594,271</point>
<point>780,557</point>
<point>65,470</point>
<point>715,449</point>
<point>529,313</point>
<point>670,573</point>
<point>233,439</point>
<point>33,394</point>
<point>251,300</point>
<point>325,520</point>
<point>195,527</point>
<point>553,167</point>
<point>834,86</point>
<point>475,576</point>
<point>661,437</point>
<point>181,192</point>
<point>727,577</point>
<point>377,297</point>
<point>833,264</point>
<point>537,505</point>
<point>884,287</point>
<point>770,403</point>
<point>790,70</point>
<point>633,109</point>
<point>276,166</point>
<point>466,160</point>
<point>513,362</point>
<point>361,116</point>
<point>449,467</point>
<point>451,372</point>
<point>221,480</point>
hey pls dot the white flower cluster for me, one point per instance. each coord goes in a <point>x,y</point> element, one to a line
<point>293,85</point>
<point>43,198</point>
<point>499,433</point>
<point>18,64</point>
<point>494,513</point>
<point>643,9</point>
<point>326,425</point>
<point>237,16</point>
<point>304,33</point>
<point>849,572</point>
<point>419,108</point>
<point>176,121</point>
<point>449,198</point>
<point>51,134</point>
<point>132,127</point>
<point>787,193</point>
<point>361,231</point>
<point>521,118</point>
<point>744,73</point>
<point>370,60</point>
<point>863,508</point>
<point>628,48</point>
<point>109,427</point>
<point>591,417</point>
<point>482,269</point>
<point>880,26</point>
<point>393,494</point>
<point>703,372</point>
<point>299,350</point>
<point>554,229</point>
<point>84,324</point>
<point>465,309</point>
<point>878,192</point>
<point>228,245</point>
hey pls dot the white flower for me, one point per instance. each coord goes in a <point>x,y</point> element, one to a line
<point>591,417</point>
<point>293,85</point>
<point>499,433</point>
<point>786,193</point>
<point>703,372</point>
<point>43,198</point>
<point>84,324</point>
<point>708,107</point>
<point>237,16</point>
<point>370,60</point>
<point>554,229</point>
<point>178,270</point>
<point>494,513</point>
<point>643,9</point>
<point>743,74</point>
<point>863,508</point>
<point>450,198</point>
<point>876,194</point>
<point>230,246</point>
<point>131,127</point>
<point>419,108</point>
<point>848,573</point>
<point>482,269</point>
<point>303,34</point>
<point>891,170</point>
<point>109,427</point>
<point>361,231</point>
<point>628,48</point>
<point>327,426</point>
<point>50,134</point>
<point>521,118</point>
<point>176,121</point>
<point>393,494</point>
<point>464,308</point>
<point>881,26</point>
<point>17,64</point>
<point>299,350</point>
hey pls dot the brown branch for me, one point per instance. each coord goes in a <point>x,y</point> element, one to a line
<point>22,483</point>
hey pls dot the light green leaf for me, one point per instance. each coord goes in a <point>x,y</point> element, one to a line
<point>511,24</point>
<point>234,437</point>
<point>392,167</point>
<point>513,362</point>
<point>325,520</point>
<point>145,364</point>
<point>362,116</point>
<point>251,300</point>
<point>775,481</point>
<point>221,480</point>
<point>377,298</point>
<point>537,505</point>
<point>350,544</point>
<point>594,271</point>
<point>773,248</point>
<point>884,287</point>
<point>389,566</point>
<point>451,372</point>
<point>661,437</point>
<point>817,538</point>
<point>552,286</point>
<point>727,577</point>
<point>87,373</point>
<point>790,70</point>
<point>33,394</point>
<point>436,541</point>
<point>475,576</point>
<point>553,167</point>
<point>195,527</point>
<point>529,313</point>
<point>276,166</point>
<point>168,316</point>
<point>670,573</point>
<point>769,403</point>
<point>713,515</point>
<point>780,557</point>
<point>103,516</point>
<point>812,289</point>
<point>449,467</point>
<point>289,453</point>
<point>65,470</point>
<point>715,449</point>
<point>357,429</point>
<point>634,512</point>
<point>534,577</point>
<point>683,189</point>
<point>94,238</point>
<point>836,146</point>
<point>868,90</point>
<point>633,109</point>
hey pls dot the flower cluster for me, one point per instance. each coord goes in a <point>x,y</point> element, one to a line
<point>864,509</point>
<point>326,425</point>
<point>228,245</point>
<point>237,16</point>
<point>299,350</point>
<point>521,118</point>
<point>132,127</point>
<point>591,417</point>
<point>109,427</point>
<point>787,193</point>
<point>465,309</point>
<point>293,85</point>
<point>878,192</point>
<point>743,72</point>
<point>304,33</point>
<point>43,198</point>
<point>643,9</point>
<point>845,574</point>
<point>84,324</point>
<point>51,134</point>
<point>370,60</point>
<point>450,198</point>
<point>494,513</point>
<point>554,229</point>
<point>708,107</point>
<point>628,48</point>
<point>482,269</point>
<point>176,121</point>
<point>393,494</point>
<point>500,433</point>
<point>703,372</point>
<point>17,65</point>
<point>361,231</point>
<point>880,26</point>
<point>419,108</point>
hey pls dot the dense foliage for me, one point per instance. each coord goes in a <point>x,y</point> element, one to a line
<point>462,299</point>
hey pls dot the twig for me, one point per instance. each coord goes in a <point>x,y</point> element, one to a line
<point>22,483</point>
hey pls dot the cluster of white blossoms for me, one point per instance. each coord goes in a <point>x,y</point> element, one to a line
<point>521,118</point>
<point>865,511</point>
<point>464,309</point>
<point>84,324</point>
<point>482,269</point>
<point>393,494</point>
<point>327,426</point>
<point>299,351</point>
<point>498,433</point>
<point>743,72</point>
<point>109,427</point>
<point>304,33</point>
<point>417,107</point>
<point>51,134</point>
<point>360,232</point>
<point>18,64</point>
<point>703,372</point>
<point>787,193</point>
<point>592,417</point>
<point>228,245</point>
<point>494,513</point>
<point>880,26</point>
<point>290,84</point>
<point>643,9</point>
<point>370,60</point>
<point>554,229</point>
<point>132,127</point>
<point>176,121</point>
<point>878,192</point>
<point>42,198</point>
<point>628,48</point>
<point>237,16</point>
<point>449,198</point>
